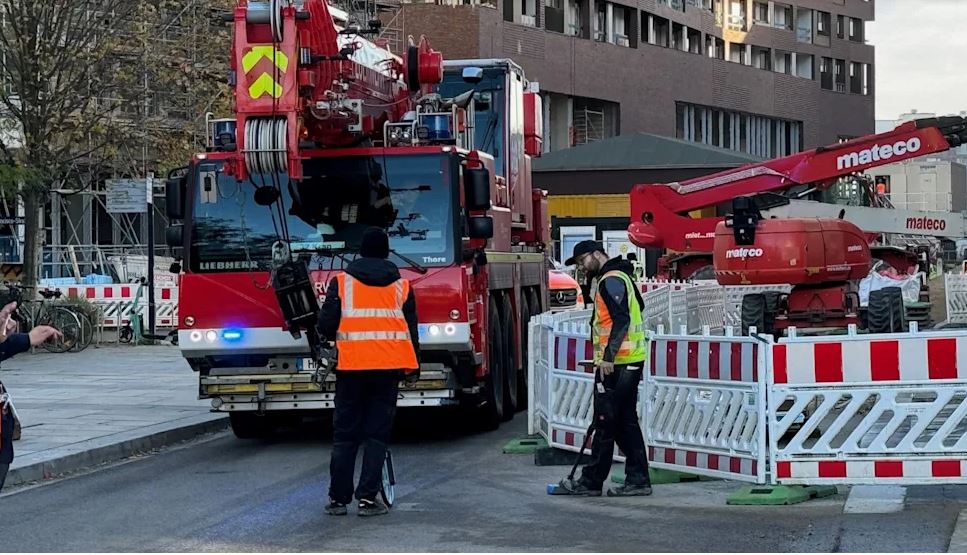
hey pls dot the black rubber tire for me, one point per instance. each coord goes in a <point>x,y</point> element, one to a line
<point>772,309</point>
<point>492,413</point>
<point>534,302</point>
<point>511,372</point>
<point>525,316</point>
<point>885,312</point>
<point>249,425</point>
<point>754,308</point>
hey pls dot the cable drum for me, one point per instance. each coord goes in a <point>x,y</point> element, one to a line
<point>265,145</point>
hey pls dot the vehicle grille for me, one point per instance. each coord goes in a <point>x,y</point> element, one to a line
<point>563,298</point>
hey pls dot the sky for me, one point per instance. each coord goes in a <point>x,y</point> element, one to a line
<point>921,50</point>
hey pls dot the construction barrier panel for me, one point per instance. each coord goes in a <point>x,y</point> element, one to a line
<point>955,288</point>
<point>869,409</point>
<point>705,405</point>
<point>835,409</point>
<point>116,302</point>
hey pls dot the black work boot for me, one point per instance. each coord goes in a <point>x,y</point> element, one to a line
<point>576,487</point>
<point>335,508</point>
<point>627,490</point>
<point>372,507</point>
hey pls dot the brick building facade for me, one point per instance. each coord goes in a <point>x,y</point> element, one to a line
<point>762,77</point>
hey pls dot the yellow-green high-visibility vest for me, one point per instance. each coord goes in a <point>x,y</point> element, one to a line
<point>634,347</point>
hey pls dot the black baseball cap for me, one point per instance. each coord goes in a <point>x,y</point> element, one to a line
<point>583,248</point>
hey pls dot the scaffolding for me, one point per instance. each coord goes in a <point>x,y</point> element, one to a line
<point>179,48</point>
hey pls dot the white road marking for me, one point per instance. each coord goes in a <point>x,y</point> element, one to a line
<point>875,499</point>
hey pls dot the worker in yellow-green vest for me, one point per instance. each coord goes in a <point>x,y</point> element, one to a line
<point>620,351</point>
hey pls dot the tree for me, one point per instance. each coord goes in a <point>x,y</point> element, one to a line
<point>94,88</point>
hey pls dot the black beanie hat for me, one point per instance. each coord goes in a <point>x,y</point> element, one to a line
<point>375,244</point>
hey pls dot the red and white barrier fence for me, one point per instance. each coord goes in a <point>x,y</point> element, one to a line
<point>116,302</point>
<point>869,409</point>
<point>704,405</point>
<point>842,409</point>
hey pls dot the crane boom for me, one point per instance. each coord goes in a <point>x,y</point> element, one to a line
<point>659,212</point>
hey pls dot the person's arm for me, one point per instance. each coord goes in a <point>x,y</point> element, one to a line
<point>330,313</point>
<point>615,296</point>
<point>14,345</point>
<point>409,312</point>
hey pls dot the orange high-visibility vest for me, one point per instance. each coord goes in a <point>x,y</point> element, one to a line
<point>372,333</point>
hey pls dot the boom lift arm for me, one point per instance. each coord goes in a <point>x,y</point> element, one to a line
<point>659,212</point>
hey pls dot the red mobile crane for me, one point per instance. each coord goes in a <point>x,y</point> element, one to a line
<point>659,213</point>
<point>821,258</point>
<point>331,135</point>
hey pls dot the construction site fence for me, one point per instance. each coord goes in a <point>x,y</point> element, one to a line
<point>116,303</point>
<point>834,409</point>
<point>955,290</point>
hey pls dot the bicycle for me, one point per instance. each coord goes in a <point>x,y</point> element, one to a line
<point>75,326</point>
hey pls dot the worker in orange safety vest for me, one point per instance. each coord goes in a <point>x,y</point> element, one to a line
<point>370,311</point>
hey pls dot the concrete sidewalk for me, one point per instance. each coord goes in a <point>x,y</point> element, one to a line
<point>101,405</point>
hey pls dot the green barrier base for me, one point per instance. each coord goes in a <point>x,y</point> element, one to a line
<point>659,476</point>
<point>779,495</point>
<point>525,445</point>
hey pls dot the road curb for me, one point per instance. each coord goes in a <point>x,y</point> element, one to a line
<point>958,539</point>
<point>51,463</point>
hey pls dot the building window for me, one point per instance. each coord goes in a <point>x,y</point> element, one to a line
<point>760,13</point>
<point>738,53</point>
<point>762,58</point>
<point>839,75</point>
<point>761,136</point>
<point>554,15</point>
<point>694,37</point>
<point>856,29</point>
<point>784,63</point>
<point>826,73</point>
<point>822,23</point>
<point>678,36</point>
<point>663,31</point>
<point>572,19</point>
<point>804,25</point>
<point>737,15</point>
<point>841,26</point>
<point>856,78</point>
<point>783,17</point>
<point>867,79</point>
<point>593,120</point>
<point>715,47</point>
<point>804,66</point>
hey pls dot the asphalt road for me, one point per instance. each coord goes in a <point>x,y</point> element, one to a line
<point>457,492</point>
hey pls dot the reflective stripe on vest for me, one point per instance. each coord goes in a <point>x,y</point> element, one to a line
<point>633,347</point>
<point>373,333</point>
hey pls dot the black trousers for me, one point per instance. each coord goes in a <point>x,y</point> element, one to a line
<point>615,411</point>
<point>365,407</point>
<point>4,467</point>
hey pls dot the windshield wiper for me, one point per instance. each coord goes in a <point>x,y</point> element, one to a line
<point>413,264</point>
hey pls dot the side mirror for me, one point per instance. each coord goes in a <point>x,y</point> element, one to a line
<point>175,267</point>
<point>481,227</point>
<point>476,188</point>
<point>472,75</point>
<point>175,235</point>
<point>175,198</point>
